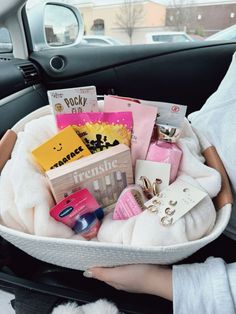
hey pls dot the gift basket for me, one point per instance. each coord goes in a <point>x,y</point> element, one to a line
<point>128,232</point>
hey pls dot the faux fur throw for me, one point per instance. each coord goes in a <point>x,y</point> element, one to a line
<point>98,307</point>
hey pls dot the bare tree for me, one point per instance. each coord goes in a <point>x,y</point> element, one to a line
<point>183,13</point>
<point>130,15</point>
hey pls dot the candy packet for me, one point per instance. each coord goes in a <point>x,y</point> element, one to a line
<point>99,130</point>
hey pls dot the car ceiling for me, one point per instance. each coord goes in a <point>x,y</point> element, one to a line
<point>10,7</point>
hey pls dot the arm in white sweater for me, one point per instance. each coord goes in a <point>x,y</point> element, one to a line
<point>206,288</point>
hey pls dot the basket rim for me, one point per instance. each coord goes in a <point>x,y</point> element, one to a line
<point>226,209</point>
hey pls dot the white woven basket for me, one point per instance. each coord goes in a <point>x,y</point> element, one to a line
<point>81,255</point>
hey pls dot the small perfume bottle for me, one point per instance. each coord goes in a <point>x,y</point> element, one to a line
<point>109,191</point>
<point>75,177</point>
<point>119,182</point>
<point>97,192</point>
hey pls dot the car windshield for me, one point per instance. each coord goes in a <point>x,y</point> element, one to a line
<point>132,22</point>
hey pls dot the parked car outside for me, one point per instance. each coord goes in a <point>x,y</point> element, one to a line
<point>228,33</point>
<point>167,37</point>
<point>196,37</point>
<point>97,40</point>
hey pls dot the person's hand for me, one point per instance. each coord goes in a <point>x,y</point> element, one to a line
<point>150,279</point>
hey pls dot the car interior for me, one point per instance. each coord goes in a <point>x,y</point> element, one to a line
<point>182,73</point>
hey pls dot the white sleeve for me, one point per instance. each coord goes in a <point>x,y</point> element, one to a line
<point>207,288</point>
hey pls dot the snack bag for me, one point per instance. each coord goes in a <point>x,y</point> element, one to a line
<point>99,130</point>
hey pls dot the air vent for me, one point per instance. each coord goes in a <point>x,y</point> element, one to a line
<point>30,73</point>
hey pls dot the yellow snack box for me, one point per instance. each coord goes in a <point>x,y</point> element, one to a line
<point>64,147</point>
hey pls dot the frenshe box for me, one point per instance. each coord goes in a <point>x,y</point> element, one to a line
<point>66,146</point>
<point>105,174</point>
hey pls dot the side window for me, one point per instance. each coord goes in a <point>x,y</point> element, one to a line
<point>5,41</point>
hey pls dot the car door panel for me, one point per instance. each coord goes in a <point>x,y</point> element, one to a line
<point>19,104</point>
<point>173,73</point>
<point>184,74</point>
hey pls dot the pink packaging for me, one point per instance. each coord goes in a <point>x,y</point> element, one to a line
<point>79,211</point>
<point>168,153</point>
<point>99,130</point>
<point>130,203</point>
<point>144,117</point>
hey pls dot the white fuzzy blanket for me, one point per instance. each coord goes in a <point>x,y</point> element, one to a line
<point>99,307</point>
<point>25,197</point>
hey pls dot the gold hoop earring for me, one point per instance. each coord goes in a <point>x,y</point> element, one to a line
<point>155,186</point>
<point>169,211</point>
<point>166,221</point>
<point>146,184</point>
<point>172,203</point>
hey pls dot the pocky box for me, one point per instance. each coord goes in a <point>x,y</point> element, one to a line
<point>73,100</point>
<point>100,130</point>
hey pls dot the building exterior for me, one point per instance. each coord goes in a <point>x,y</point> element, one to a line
<point>114,19</point>
<point>204,18</point>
